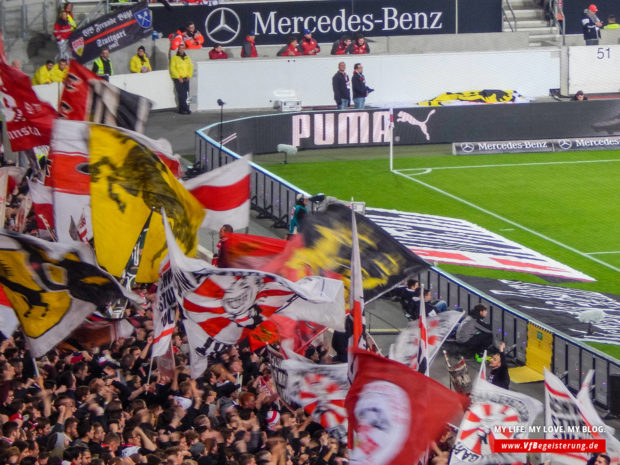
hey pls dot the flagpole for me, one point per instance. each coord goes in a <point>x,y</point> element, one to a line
<point>148,378</point>
<point>391,139</point>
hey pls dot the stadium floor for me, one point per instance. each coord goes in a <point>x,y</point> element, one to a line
<point>382,314</point>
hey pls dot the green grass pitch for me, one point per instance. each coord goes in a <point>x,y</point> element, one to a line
<point>563,205</point>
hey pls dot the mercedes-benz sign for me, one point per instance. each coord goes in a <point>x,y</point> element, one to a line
<point>222,25</point>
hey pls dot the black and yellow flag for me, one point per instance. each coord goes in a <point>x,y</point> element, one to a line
<point>476,96</point>
<point>323,248</point>
<point>52,287</point>
<point>128,182</point>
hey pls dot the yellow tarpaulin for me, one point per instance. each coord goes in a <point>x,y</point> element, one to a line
<point>128,181</point>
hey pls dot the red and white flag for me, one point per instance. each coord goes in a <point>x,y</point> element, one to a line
<point>164,312</point>
<point>28,120</point>
<point>406,349</point>
<point>319,389</point>
<point>43,204</point>
<point>494,414</point>
<point>166,363</point>
<point>8,319</point>
<point>230,305</point>
<point>357,339</point>
<point>225,194</point>
<point>567,417</point>
<point>394,412</point>
<point>69,178</point>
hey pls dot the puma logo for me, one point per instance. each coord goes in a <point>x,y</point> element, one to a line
<point>403,116</point>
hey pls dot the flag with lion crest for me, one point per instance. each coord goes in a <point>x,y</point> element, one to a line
<point>129,182</point>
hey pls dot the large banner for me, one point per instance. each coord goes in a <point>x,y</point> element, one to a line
<point>273,22</point>
<point>115,30</point>
<point>558,307</point>
<point>424,125</point>
<point>459,242</point>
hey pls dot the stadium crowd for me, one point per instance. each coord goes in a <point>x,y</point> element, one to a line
<point>109,405</point>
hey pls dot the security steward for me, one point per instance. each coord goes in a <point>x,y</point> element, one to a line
<point>102,66</point>
<point>181,70</point>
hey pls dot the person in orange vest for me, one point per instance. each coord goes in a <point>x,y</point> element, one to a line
<point>309,46</point>
<point>291,49</point>
<point>192,37</point>
<point>176,39</point>
<point>248,50</point>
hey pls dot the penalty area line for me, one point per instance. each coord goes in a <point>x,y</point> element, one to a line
<point>502,165</point>
<point>502,218</point>
<point>602,253</point>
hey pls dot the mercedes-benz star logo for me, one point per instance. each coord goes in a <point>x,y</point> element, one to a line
<point>467,147</point>
<point>565,144</point>
<point>222,25</point>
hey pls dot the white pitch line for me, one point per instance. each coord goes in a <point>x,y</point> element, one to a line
<point>520,226</point>
<point>576,162</point>
<point>601,253</point>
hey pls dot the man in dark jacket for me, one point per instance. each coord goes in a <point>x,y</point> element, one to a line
<point>499,375</point>
<point>341,86</point>
<point>591,25</point>
<point>360,89</point>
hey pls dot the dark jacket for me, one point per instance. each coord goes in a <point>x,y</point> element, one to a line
<point>588,23</point>
<point>360,89</point>
<point>499,376</point>
<point>340,84</point>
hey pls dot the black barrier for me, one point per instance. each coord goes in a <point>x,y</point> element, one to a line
<point>273,22</point>
<point>424,125</point>
<point>274,198</point>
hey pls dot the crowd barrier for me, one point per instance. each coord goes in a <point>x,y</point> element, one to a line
<point>274,198</point>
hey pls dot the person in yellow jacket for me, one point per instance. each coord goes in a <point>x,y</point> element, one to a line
<point>140,63</point>
<point>43,74</point>
<point>59,71</point>
<point>68,8</point>
<point>181,70</point>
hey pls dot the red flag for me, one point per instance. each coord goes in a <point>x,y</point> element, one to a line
<point>395,412</point>
<point>28,120</point>
<point>249,251</point>
<point>76,97</point>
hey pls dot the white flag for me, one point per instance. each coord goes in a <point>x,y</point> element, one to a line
<point>569,418</point>
<point>494,413</point>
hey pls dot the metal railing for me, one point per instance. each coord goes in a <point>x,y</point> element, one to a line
<point>274,198</point>
<point>25,17</point>
<point>512,24</point>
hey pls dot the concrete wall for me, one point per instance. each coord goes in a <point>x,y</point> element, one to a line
<point>397,79</point>
<point>594,69</point>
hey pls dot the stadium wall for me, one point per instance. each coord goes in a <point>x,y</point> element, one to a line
<point>274,198</point>
<point>401,79</point>
<point>398,79</point>
<point>421,125</point>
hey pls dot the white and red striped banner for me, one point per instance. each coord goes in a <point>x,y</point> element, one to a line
<point>225,193</point>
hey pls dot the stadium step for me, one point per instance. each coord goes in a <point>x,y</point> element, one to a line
<point>529,17</point>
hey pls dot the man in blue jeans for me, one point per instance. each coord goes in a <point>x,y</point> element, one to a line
<point>341,86</point>
<point>360,89</point>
